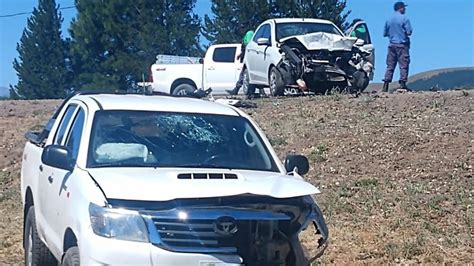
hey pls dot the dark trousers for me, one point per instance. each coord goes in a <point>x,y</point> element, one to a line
<point>397,53</point>
<point>240,82</point>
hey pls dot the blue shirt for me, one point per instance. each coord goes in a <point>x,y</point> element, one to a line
<point>398,29</point>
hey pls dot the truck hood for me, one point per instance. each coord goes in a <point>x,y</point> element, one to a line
<point>163,184</point>
<point>323,41</point>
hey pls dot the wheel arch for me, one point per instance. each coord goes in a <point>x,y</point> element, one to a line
<point>70,239</point>
<point>180,81</point>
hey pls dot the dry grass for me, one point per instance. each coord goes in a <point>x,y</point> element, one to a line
<point>395,171</point>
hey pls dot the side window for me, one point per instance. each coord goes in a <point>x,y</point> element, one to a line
<point>362,32</point>
<point>259,33</point>
<point>66,119</point>
<point>224,55</point>
<point>74,136</point>
<point>266,32</point>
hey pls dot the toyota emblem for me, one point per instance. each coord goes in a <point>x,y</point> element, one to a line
<point>225,225</point>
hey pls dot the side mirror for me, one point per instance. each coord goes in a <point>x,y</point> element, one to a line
<point>263,41</point>
<point>201,60</point>
<point>359,42</point>
<point>58,157</point>
<point>299,162</point>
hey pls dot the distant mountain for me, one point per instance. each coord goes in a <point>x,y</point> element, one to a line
<point>440,79</point>
<point>4,92</point>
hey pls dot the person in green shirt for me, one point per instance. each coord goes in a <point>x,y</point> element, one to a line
<point>245,40</point>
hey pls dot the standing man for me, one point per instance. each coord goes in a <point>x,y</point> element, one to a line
<point>247,38</point>
<point>398,30</point>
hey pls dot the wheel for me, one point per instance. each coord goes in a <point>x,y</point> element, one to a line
<point>246,82</point>
<point>360,81</point>
<point>36,252</point>
<point>277,86</point>
<point>71,258</point>
<point>184,89</point>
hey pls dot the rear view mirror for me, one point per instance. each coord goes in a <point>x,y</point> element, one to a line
<point>263,41</point>
<point>298,162</point>
<point>58,157</point>
<point>359,42</point>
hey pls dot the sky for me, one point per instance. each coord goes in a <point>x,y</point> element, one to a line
<point>443,31</point>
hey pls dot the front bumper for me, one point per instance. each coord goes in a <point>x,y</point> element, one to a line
<point>97,250</point>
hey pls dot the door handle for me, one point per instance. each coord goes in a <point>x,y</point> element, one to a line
<point>50,179</point>
<point>41,168</point>
<point>211,68</point>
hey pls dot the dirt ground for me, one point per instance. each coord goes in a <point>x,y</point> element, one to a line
<point>395,171</point>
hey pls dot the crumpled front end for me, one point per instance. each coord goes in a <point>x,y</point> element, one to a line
<point>260,230</point>
<point>319,62</point>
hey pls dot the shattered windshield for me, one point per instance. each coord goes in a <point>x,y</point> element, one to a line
<point>164,139</point>
<point>284,30</point>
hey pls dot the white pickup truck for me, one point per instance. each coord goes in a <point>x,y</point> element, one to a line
<point>178,75</point>
<point>290,55</point>
<point>162,180</point>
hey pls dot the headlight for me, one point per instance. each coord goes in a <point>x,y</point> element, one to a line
<point>118,223</point>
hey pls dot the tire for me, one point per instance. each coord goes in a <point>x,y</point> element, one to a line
<point>71,258</point>
<point>246,82</point>
<point>277,86</point>
<point>184,89</point>
<point>360,81</point>
<point>36,252</point>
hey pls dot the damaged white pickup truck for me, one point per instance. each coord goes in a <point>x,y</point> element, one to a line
<point>159,180</point>
<point>297,55</point>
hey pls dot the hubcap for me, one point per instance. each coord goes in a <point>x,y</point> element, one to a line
<point>30,247</point>
<point>272,82</point>
<point>182,92</point>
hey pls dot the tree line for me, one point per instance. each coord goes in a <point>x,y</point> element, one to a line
<point>112,43</point>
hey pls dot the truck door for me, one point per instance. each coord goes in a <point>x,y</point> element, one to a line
<point>361,31</point>
<point>220,69</point>
<point>47,183</point>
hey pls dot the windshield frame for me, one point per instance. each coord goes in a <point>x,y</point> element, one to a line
<point>90,163</point>
<point>278,39</point>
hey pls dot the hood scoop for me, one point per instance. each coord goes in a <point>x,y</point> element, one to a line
<point>207,176</point>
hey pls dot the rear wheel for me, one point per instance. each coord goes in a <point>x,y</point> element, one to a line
<point>184,89</point>
<point>277,86</point>
<point>71,258</point>
<point>36,252</point>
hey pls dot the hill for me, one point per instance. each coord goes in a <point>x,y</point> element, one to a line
<point>4,92</point>
<point>395,171</point>
<point>441,79</point>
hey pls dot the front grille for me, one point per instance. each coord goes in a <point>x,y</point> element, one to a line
<point>176,233</point>
<point>202,229</point>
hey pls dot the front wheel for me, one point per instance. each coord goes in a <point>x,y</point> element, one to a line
<point>71,258</point>
<point>36,252</point>
<point>277,86</point>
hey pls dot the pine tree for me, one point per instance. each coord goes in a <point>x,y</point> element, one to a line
<point>333,10</point>
<point>114,42</point>
<point>41,67</point>
<point>233,17</point>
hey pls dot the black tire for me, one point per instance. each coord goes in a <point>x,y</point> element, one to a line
<point>184,89</point>
<point>277,86</point>
<point>71,258</point>
<point>36,252</point>
<point>360,81</point>
<point>246,82</point>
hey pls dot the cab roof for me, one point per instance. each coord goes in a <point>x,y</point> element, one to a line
<point>310,20</point>
<point>138,102</point>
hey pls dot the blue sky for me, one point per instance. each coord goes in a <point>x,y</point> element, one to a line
<point>443,31</point>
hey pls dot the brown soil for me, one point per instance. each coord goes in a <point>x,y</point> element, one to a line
<point>395,171</point>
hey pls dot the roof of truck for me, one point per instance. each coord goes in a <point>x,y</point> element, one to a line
<point>138,102</point>
<point>313,20</point>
